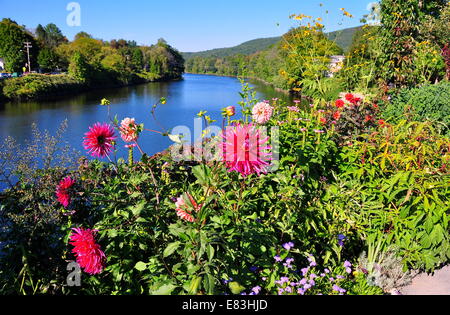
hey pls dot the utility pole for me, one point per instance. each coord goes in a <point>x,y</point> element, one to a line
<point>28,46</point>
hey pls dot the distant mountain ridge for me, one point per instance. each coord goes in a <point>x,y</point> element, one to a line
<point>343,39</point>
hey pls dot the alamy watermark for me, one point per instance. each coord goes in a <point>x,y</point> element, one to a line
<point>255,144</point>
<point>74,17</point>
<point>74,276</point>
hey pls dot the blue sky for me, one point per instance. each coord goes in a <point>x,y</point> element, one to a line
<point>188,25</point>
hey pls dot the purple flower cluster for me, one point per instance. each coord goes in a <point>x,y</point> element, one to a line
<point>341,239</point>
<point>288,263</point>
<point>288,246</point>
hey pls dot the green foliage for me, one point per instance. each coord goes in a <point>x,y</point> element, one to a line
<point>386,189</point>
<point>80,69</point>
<point>38,86</point>
<point>430,102</point>
<point>362,65</point>
<point>247,48</point>
<point>50,36</point>
<point>33,225</point>
<point>400,35</point>
<point>12,49</point>
<point>48,60</point>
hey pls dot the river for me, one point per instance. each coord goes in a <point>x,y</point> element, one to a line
<point>185,98</point>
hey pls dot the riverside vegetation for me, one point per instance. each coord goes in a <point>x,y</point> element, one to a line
<point>90,63</point>
<point>357,203</point>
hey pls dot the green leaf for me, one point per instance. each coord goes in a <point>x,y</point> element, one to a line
<point>195,284</point>
<point>236,288</point>
<point>171,248</point>
<point>202,173</point>
<point>141,266</point>
<point>210,253</point>
<point>137,209</point>
<point>166,289</point>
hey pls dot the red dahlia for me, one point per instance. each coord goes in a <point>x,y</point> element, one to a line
<point>340,103</point>
<point>89,255</point>
<point>98,140</point>
<point>63,191</point>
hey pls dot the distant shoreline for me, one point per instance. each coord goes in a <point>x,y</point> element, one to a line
<point>75,88</point>
<point>287,92</point>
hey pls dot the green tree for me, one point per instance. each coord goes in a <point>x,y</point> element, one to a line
<point>137,59</point>
<point>80,69</point>
<point>48,60</point>
<point>82,35</point>
<point>12,39</point>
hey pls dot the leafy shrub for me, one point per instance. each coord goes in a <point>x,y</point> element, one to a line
<point>395,185</point>
<point>40,86</point>
<point>33,227</point>
<point>419,104</point>
<point>350,117</point>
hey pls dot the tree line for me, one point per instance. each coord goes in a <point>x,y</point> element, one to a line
<point>87,59</point>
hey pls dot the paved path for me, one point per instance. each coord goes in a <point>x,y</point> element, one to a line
<point>423,284</point>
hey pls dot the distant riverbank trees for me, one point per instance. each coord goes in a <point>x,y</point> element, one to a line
<point>88,61</point>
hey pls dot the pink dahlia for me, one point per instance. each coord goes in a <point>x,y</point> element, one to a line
<point>262,112</point>
<point>245,150</point>
<point>63,191</point>
<point>98,140</point>
<point>89,255</point>
<point>128,130</point>
<point>184,208</point>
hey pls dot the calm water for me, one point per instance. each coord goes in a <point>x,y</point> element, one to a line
<point>185,99</point>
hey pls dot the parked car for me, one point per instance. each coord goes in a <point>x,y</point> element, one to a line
<point>5,75</point>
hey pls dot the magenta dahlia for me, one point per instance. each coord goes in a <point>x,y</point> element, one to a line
<point>99,140</point>
<point>89,255</point>
<point>63,191</point>
<point>245,150</point>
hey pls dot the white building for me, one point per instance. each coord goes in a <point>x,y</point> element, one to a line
<point>2,64</point>
<point>336,64</point>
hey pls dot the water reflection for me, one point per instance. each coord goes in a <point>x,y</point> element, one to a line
<point>185,99</point>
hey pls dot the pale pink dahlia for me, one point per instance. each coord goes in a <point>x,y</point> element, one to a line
<point>262,112</point>
<point>184,208</point>
<point>99,140</point>
<point>245,150</point>
<point>63,191</point>
<point>128,130</point>
<point>89,255</point>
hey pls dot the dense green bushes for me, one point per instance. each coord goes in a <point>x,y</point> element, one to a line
<point>430,102</point>
<point>393,188</point>
<point>40,86</point>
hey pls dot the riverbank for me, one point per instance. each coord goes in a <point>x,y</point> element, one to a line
<point>47,87</point>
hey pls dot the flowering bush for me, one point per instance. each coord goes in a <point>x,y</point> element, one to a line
<point>351,116</point>
<point>157,226</point>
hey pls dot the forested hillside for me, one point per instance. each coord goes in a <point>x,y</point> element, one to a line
<point>343,39</point>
